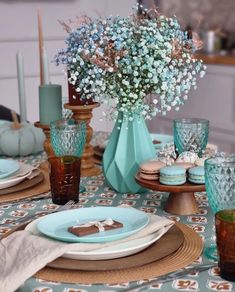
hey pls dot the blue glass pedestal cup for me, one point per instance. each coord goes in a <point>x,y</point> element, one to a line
<point>68,138</point>
<point>191,134</point>
<point>220,188</point>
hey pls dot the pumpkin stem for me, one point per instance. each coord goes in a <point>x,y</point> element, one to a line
<point>16,125</point>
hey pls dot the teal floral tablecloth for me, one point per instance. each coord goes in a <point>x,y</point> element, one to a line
<point>98,194</point>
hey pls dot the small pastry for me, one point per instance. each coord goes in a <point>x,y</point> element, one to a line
<point>167,160</point>
<point>187,156</point>
<point>149,170</point>
<point>197,175</point>
<point>200,161</point>
<point>167,155</point>
<point>211,150</point>
<point>172,175</point>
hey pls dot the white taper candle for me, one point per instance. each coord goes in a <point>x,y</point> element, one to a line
<point>40,44</point>
<point>45,66</point>
<point>21,86</point>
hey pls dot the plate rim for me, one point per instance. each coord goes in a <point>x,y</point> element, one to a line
<point>73,254</point>
<point>146,244</point>
<point>6,194</point>
<point>14,179</point>
<point>17,167</point>
<point>91,239</point>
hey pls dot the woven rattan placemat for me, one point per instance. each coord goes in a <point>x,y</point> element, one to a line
<point>189,251</point>
<point>35,186</point>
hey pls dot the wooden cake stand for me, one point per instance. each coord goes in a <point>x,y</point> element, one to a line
<point>181,200</point>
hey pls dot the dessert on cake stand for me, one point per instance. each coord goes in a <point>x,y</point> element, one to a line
<point>181,200</point>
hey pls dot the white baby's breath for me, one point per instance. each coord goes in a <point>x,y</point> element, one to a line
<point>141,64</point>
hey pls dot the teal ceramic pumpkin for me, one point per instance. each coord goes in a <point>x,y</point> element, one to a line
<point>20,142</point>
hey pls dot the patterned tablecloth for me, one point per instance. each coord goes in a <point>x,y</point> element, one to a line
<point>97,193</point>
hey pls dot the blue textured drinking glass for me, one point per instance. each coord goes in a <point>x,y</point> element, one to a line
<point>220,182</point>
<point>68,137</point>
<point>191,135</point>
<point>220,187</point>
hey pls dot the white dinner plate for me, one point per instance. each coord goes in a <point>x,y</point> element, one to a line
<point>24,171</point>
<point>112,252</point>
<point>56,225</point>
<point>3,122</point>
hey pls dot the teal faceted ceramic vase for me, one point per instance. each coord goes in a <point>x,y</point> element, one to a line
<point>129,145</point>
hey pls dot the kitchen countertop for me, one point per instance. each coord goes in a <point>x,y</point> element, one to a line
<point>216,59</point>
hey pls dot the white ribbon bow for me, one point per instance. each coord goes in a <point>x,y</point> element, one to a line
<point>98,224</point>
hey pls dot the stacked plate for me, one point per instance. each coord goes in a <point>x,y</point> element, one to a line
<point>161,141</point>
<point>119,243</point>
<point>8,167</point>
<point>13,173</point>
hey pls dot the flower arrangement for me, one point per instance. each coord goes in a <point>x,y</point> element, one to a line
<point>141,64</point>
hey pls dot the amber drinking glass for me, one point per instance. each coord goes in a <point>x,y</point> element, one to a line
<point>225,238</point>
<point>64,179</point>
<point>67,139</point>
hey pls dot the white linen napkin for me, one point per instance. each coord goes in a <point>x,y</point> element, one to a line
<point>23,254</point>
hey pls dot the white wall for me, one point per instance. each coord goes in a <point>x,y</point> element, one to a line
<point>213,13</point>
<point>18,31</point>
<point>214,100</point>
<point>215,97</point>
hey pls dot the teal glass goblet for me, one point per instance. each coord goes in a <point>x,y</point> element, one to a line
<point>68,137</point>
<point>220,187</point>
<point>191,135</point>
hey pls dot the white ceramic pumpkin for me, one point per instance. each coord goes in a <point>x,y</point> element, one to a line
<point>23,141</point>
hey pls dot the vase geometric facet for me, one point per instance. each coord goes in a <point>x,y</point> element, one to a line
<point>129,145</point>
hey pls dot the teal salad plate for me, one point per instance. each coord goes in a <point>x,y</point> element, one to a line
<point>162,140</point>
<point>8,167</point>
<point>3,122</point>
<point>56,225</point>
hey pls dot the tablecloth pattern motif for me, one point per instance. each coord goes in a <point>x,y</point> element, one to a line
<point>99,194</point>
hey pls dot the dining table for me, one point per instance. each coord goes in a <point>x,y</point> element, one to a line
<point>98,193</point>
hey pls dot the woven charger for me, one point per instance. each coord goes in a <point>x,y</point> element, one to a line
<point>33,187</point>
<point>189,251</point>
<point>163,247</point>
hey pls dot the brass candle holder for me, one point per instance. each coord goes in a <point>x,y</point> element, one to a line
<point>84,113</point>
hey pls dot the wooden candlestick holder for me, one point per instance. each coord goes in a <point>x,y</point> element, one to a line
<point>84,113</point>
<point>47,143</point>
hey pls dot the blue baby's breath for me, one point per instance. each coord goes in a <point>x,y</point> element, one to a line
<point>141,64</point>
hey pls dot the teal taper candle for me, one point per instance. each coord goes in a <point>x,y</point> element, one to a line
<point>50,103</point>
<point>21,86</point>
